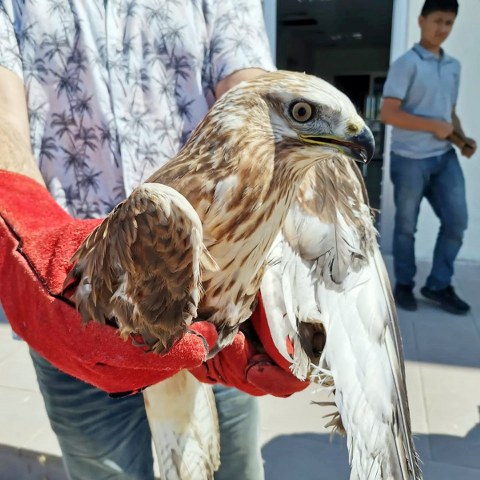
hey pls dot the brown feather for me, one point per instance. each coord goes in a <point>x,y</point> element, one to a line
<point>144,251</point>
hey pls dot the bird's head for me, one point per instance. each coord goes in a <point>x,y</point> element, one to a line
<point>303,111</point>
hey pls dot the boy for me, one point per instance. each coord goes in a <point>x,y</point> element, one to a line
<point>419,100</point>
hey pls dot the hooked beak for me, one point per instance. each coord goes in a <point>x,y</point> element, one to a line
<point>360,147</point>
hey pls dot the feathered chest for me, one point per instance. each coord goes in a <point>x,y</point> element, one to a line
<point>241,194</point>
<point>239,226</point>
<point>239,242</point>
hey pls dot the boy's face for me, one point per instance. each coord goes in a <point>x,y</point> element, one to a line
<point>436,27</point>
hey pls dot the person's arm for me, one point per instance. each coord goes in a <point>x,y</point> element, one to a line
<point>391,113</point>
<point>470,145</point>
<point>236,57</point>
<point>15,149</point>
<point>231,80</point>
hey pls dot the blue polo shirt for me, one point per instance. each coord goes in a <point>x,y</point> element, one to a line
<point>427,85</point>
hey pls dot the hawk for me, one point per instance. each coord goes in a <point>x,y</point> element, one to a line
<point>197,239</point>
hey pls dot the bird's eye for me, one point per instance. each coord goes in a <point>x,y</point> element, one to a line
<point>301,111</point>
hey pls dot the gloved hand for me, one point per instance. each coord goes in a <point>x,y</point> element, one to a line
<point>252,363</point>
<point>37,240</point>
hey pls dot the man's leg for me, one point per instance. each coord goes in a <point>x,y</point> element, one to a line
<point>100,437</point>
<point>447,197</point>
<point>240,451</point>
<point>409,179</point>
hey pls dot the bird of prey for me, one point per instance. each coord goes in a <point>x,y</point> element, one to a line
<point>195,240</point>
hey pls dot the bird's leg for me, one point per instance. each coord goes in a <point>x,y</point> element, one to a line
<point>226,334</point>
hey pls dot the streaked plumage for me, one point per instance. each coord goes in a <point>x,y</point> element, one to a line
<point>183,420</point>
<point>241,172</point>
<point>155,231</point>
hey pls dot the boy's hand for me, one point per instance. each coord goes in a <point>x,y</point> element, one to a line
<point>469,148</point>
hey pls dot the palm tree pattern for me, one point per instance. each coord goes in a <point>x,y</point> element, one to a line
<point>115,87</point>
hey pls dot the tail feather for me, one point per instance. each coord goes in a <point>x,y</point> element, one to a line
<point>183,420</point>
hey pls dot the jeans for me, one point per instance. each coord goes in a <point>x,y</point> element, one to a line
<point>105,438</point>
<point>440,180</point>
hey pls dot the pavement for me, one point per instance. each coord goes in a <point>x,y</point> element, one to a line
<point>443,379</point>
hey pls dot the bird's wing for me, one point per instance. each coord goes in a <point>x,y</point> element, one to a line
<point>183,419</point>
<point>329,271</point>
<point>142,265</point>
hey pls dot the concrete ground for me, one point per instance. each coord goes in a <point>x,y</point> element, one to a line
<point>443,376</point>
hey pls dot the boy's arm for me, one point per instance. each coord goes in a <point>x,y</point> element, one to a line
<point>391,113</point>
<point>15,149</point>
<point>467,145</point>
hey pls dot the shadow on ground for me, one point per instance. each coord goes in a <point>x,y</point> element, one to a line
<point>306,456</point>
<point>312,456</point>
<point>22,464</point>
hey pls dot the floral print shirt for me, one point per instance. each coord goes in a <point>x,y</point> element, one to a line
<point>115,87</point>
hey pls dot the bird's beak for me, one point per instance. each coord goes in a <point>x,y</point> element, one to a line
<point>360,147</point>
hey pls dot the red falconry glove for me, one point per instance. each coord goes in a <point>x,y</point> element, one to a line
<point>37,240</point>
<point>243,366</point>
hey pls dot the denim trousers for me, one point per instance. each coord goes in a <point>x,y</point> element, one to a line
<point>440,180</point>
<point>109,438</point>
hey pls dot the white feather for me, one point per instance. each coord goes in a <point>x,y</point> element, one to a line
<point>183,420</point>
<point>273,300</point>
<point>330,270</point>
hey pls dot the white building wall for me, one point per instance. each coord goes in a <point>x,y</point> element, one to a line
<point>464,44</point>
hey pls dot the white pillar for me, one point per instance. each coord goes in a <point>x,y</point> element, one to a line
<point>398,46</point>
<point>270,15</point>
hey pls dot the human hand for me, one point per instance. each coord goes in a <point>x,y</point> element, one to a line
<point>442,129</point>
<point>469,148</point>
<point>252,363</point>
<point>37,240</point>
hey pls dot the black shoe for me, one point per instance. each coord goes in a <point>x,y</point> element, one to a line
<point>404,298</point>
<point>447,298</point>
